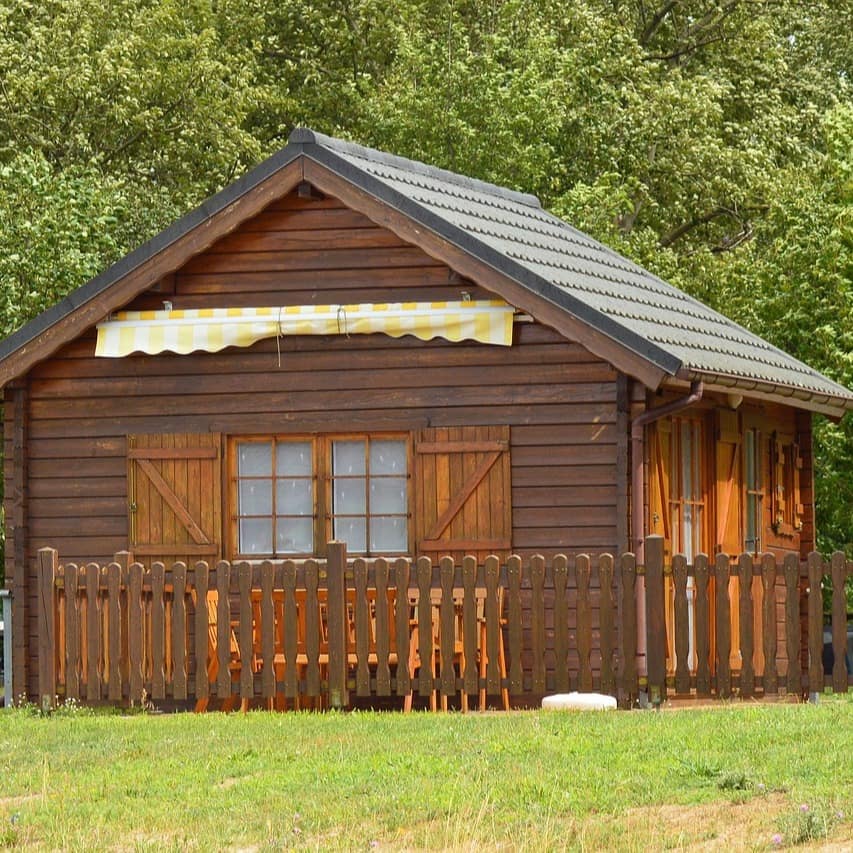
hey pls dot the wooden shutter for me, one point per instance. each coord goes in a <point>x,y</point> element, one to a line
<point>797,509</point>
<point>462,492</point>
<point>728,536</point>
<point>174,492</point>
<point>660,483</point>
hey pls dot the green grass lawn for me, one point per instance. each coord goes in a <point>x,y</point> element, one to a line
<point>730,775</point>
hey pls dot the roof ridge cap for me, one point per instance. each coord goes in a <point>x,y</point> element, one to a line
<point>306,136</point>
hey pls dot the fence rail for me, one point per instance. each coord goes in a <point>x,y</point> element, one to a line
<point>287,633</point>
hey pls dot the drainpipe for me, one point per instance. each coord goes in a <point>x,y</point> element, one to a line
<point>638,499</point>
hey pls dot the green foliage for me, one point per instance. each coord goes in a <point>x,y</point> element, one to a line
<point>712,142</point>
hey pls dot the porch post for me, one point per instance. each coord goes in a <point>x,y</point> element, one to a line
<point>336,564</point>
<point>655,619</point>
<point>48,560</point>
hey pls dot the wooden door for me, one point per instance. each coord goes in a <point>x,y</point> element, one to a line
<point>174,493</point>
<point>462,492</point>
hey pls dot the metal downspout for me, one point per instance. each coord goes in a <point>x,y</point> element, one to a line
<point>638,499</point>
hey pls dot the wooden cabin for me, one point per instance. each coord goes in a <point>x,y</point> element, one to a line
<point>345,344</point>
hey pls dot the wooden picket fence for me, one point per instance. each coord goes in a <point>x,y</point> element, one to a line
<point>335,632</point>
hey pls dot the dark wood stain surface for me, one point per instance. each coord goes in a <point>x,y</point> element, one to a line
<point>558,400</point>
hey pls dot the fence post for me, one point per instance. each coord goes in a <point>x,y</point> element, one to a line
<point>655,619</point>
<point>48,565</point>
<point>336,564</point>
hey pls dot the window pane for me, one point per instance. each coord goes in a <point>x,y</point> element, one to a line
<point>353,532</point>
<point>349,496</point>
<point>388,535</point>
<point>294,497</point>
<point>293,459</point>
<point>687,544</point>
<point>387,457</point>
<point>255,536</point>
<point>294,536</point>
<point>348,458</point>
<point>255,459</point>
<point>387,494</point>
<point>255,497</point>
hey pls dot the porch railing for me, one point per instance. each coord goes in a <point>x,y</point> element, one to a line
<point>286,633</point>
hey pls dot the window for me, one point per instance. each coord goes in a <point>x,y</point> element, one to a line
<point>753,490</point>
<point>368,494</point>
<point>786,509</point>
<point>687,489</point>
<point>275,497</point>
<point>290,495</point>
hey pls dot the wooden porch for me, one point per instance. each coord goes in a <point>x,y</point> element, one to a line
<point>397,633</point>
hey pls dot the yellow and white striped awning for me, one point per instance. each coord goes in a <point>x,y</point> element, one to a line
<point>213,329</point>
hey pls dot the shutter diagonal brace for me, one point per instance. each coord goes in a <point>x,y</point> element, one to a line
<point>173,501</point>
<point>443,521</point>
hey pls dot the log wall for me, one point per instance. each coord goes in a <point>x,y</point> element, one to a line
<point>558,399</point>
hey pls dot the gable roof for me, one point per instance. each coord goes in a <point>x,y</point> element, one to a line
<point>639,322</point>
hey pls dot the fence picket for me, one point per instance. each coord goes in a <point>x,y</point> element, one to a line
<point>682,624</point>
<point>701,571</point>
<point>362,628</point>
<point>815,622</point>
<point>628,683</point>
<point>267,630</point>
<point>447,630</point>
<point>114,623</point>
<point>383,630</point>
<point>745,611</point>
<point>470,637</point>
<point>132,578</point>
<point>606,621</point>
<point>201,645</point>
<point>223,630</point>
<point>336,614</point>
<point>838,568</point>
<point>516,672</point>
<point>425,629</point>
<point>560,570</point>
<point>158,631</point>
<point>793,680</point>
<point>402,627</point>
<point>93,632</point>
<point>493,627</point>
<point>722,570</point>
<point>245,635</point>
<point>584,622</point>
<point>179,631</point>
<point>537,620</point>
<point>768,624</point>
<point>291,627</point>
<point>72,633</point>
<point>313,627</point>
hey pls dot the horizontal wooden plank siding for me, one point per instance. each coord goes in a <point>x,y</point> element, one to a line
<point>557,399</point>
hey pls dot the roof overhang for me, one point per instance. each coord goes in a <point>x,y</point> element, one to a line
<point>800,398</point>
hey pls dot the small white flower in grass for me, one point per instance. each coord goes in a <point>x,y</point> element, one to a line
<point>776,840</point>
<point>804,808</point>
